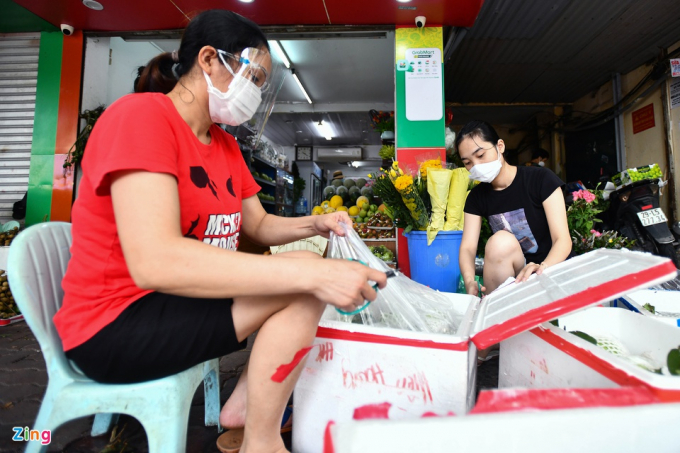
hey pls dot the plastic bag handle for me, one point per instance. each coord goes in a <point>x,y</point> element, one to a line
<point>364,306</point>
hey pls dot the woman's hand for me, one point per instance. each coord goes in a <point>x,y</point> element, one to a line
<point>325,223</point>
<point>530,268</point>
<point>472,288</point>
<point>345,284</point>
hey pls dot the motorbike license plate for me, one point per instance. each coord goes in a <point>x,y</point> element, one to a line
<point>652,217</point>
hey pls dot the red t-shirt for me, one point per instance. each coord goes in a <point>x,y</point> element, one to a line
<point>144,132</point>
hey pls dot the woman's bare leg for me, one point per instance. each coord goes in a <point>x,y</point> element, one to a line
<point>286,325</point>
<point>503,258</point>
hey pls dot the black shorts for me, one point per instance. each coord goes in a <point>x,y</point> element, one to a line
<point>157,336</point>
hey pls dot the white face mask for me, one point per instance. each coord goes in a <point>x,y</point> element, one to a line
<point>541,163</point>
<point>237,105</point>
<point>487,172</point>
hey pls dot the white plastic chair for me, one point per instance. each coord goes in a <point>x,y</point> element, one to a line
<point>36,265</point>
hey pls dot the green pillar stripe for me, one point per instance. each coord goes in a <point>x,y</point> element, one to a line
<point>417,134</point>
<point>41,171</point>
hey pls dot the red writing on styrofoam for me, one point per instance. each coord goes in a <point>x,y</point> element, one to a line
<point>417,382</point>
<point>373,374</point>
<point>325,352</point>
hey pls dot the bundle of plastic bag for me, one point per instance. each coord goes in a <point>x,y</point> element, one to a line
<point>458,191</point>
<point>438,182</point>
<point>403,303</point>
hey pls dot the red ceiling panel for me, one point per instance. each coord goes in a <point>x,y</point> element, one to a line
<point>128,15</point>
<point>264,12</point>
<point>458,13</point>
<point>117,15</point>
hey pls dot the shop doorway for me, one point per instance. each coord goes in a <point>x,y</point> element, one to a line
<point>591,155</point>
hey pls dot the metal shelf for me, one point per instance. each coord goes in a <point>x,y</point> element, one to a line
<point>264,181</point>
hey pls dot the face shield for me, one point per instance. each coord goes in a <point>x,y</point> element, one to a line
<point>266,72</point>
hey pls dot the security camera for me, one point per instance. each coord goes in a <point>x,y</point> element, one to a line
<point>66,29</point>
<point>420,21</point>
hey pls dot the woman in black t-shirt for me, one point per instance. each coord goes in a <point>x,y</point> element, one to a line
<point>524,207</point>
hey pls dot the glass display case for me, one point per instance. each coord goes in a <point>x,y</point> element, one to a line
<point>284,193</point>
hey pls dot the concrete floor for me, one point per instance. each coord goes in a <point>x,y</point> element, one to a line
<point>23,379</point>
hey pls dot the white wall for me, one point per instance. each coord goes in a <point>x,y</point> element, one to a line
<point>125,58</point>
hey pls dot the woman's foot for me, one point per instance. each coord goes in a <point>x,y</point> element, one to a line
<point>233,413</point>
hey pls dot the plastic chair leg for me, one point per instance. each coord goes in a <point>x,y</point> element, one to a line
<point>50,417</point>
<point>211,390</point>
<point>167,433</point>
<point>103,423</point>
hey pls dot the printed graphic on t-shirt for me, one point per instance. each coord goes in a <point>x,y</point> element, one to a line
<point>223,230</point>
<point>515,222</point>
<point>201,179</point>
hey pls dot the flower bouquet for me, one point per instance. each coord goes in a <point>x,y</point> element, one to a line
<point>581,219</point>
<point>382,121</point>
<point>427,198</point>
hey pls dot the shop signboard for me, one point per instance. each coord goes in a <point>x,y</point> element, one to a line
<point>424,95</point>
<point>643,118</point>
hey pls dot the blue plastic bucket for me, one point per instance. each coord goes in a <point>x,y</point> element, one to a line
<point>436,265</point>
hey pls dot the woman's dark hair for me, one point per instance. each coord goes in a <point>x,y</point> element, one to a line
<point>480,129</point>
<point>224,30</point>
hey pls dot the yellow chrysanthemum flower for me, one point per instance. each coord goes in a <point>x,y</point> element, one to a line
<point>432,163</point>
<point>403,182</point>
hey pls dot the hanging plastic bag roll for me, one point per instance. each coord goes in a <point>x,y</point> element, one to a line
<point>438,182</point>
<point>403,303</point>
<point>458,190</point>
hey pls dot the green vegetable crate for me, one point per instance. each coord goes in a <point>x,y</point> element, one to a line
<point>632,175</point>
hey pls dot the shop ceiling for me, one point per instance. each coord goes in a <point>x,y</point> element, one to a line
<point>532,54</point>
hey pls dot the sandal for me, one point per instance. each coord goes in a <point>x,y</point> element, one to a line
<point>231,441</point>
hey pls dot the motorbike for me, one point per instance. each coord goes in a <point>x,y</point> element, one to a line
<point>635,213</point>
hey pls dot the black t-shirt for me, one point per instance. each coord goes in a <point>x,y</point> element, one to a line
<point>518,209</point>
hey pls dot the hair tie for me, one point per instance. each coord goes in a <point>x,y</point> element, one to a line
<point>175,56</point>
<point>174,70</point>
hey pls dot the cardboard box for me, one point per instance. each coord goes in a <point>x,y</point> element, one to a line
<point>666,304</point>
<point>646,428</point>
<point>551,357</point>
<point>355,371</point>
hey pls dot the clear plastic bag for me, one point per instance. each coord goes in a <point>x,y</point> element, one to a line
<point>403,303</point>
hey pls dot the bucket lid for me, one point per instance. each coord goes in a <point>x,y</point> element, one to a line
<point>578,283</point>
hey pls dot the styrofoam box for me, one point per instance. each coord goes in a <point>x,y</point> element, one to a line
<point>647,428</point>
<point>550,357</point>
<point>360,368</point>
<point>666,304</point>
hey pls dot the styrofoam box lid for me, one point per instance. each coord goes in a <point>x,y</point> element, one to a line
<point>580,282</point>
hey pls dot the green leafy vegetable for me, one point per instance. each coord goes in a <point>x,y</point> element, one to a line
<point>584,336</point>
<point>673,361</point>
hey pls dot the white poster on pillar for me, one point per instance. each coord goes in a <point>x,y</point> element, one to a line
<point>424,90</point>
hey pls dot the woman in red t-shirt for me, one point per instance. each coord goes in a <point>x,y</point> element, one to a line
<point>155,284</point>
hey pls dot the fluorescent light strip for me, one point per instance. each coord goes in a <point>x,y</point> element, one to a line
<point>302,88</point>
<point>279,51</point>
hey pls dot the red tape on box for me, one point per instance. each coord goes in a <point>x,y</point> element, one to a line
<point>532,318</point>
<point>336,334</point>
<point>603,367</point>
